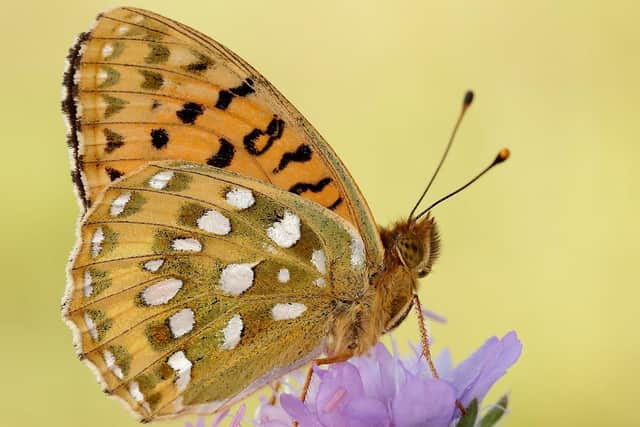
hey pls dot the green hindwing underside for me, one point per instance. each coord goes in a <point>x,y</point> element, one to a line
<point>191,286</point>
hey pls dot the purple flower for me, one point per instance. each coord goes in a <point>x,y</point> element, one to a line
<point>474,377</point>
<point>383,390</point>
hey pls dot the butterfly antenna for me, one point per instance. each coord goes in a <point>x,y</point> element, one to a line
<point>468,99</point>
<point>501,157</point>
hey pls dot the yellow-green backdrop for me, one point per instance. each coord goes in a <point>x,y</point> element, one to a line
<point>546,245</point>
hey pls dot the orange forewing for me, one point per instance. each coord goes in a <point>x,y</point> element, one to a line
<point>141,87</point>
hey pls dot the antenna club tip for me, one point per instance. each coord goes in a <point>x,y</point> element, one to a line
<point>468,99</point>
<point>503,155</point>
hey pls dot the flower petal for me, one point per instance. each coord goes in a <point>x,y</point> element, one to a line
<point>444,364</point>
<point>199,423</point>
<point>367,412</point>
<point>378,373</point>
<point>298,411</point>
<point>272,416</point>
<point>475,376</point>
<point>424,402</point>
<point>221,416</point>
<point>340,385</point>
<point>467,372</point>
<point>237,418</point>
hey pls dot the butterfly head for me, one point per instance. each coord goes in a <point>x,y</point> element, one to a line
<point>419,246</point>
<point>414,244</point>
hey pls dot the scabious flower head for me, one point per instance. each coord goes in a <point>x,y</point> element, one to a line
<point>384,390</point>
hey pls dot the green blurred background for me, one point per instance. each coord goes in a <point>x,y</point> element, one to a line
<point>546,244</point>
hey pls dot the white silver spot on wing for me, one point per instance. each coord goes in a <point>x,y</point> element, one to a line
<point>107,50</point>
<point>87,284</point>
<point>153,265</point>
<point>119,204</point>
<point>319,260</point>
<point>101,77</point>
<point>232,333</point>
<point>91,326</point>
<point>160,180</point>
<point>123,29</point>
<point>283,275</point>
<point>287,311</point>
<point>182,322</point>
<point>182,367</point>
<point>136,393</point>
<point>110,362</point>
<point>319,282</point>
<point>214,222</point>
<point>285,232</point>
<point>357,249</point>
<point>240,198</point>
<point>237,278</point>
<point>190,245</point>
<point>96,242</point>
<point>161,292</point>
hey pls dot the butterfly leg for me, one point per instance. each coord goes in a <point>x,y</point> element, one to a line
<point>275,387</point>
<point>426,350</point>
<point>322,361</point>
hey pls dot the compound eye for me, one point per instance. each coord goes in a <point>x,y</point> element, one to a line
<point>411,250</point>
<point>422,273</point>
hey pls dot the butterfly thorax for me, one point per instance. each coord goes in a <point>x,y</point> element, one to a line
<point>410,251</point>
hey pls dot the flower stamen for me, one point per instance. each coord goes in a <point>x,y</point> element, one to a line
<point>335,400</point>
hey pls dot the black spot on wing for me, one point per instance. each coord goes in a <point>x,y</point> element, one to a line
<point>333,206</point>
<point>159,138</point>
<point>302,154</point>
<point>189,112</point>
<point>224,99</point>
<point>113,173</point>
<point>224,156</point>
<point>274,130</point>
<point>301,187</point>
<point>275,127</point>
<point>244,89</point>
<point>226,96</point>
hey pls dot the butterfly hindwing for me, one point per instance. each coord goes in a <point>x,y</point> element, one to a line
<point>191,286</point>
<point>141,87</point>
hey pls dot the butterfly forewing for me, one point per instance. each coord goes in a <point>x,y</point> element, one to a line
<point>142,87</point>
<point>191,286</point>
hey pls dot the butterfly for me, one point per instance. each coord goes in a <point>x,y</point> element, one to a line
<point>222,242</point>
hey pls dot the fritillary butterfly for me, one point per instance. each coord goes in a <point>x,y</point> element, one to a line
<point>223,243</point>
